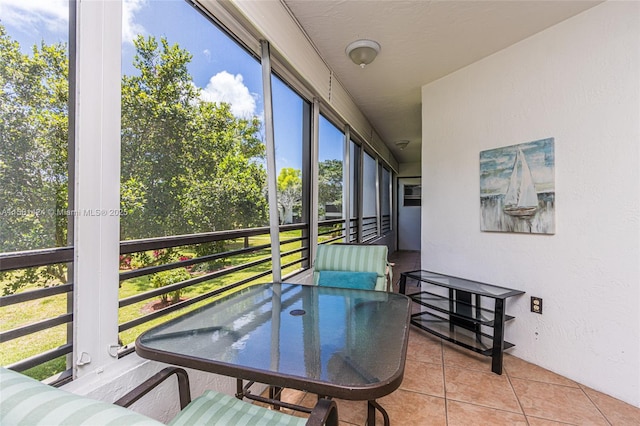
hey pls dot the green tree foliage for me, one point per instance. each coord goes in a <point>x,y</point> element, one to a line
<point>187,165</point>
<point>33,141</point>
<point>33,154</point>
<point>329,184</point>
<point>289,193</point>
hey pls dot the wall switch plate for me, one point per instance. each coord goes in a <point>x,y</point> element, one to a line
<point>536,305</point>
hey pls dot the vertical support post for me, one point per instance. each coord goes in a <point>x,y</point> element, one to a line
<point>315,136</point>
<point>478,315</point>
<point>498,337</point>
<point>394,207</point>
<point>452,298</point>
<point>272,188</point>
<point>346,184</point>
<point>360,189</point>
<point>402,285</point>
<point>71,160</point>
<point>97,183</point>
<point>307,183</point>
<point>463,307</point>
<point>378,198</point>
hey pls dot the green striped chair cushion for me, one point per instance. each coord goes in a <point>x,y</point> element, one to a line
<point>352,258</point>
<point>25,401</point>
<point>214,408</point>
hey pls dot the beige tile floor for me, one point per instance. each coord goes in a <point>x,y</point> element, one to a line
<point>448,385</point>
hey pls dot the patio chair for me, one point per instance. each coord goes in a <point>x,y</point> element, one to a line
<point>26,401</point>
<point>362,266</point>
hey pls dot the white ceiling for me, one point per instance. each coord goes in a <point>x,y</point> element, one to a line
<point>421,41</point>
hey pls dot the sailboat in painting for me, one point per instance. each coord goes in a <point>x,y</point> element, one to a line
<point>521,199</point>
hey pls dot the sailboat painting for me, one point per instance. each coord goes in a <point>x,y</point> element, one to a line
<point>517,188</point>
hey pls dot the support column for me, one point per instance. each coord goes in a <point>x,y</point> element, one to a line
<point>272,184</point>
<point>97,184</point>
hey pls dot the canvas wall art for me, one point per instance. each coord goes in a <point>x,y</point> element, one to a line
<point>517,188</point>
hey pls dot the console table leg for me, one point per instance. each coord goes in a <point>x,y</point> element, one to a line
<point>498,337</point>
<point>402,284</point>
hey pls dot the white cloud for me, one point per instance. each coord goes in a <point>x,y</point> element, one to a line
<point>225,87</point>
<point>27,15</point>
<point>130,28</point>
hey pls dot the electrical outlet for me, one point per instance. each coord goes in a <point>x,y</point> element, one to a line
<point>536,304</point>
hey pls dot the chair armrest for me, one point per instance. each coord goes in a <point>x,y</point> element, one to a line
<point>324,413</point>
<point>153,381</point>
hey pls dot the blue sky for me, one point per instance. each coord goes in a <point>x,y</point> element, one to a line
<point>222,69</point>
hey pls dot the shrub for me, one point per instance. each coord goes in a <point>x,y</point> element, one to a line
<point>165,278</point>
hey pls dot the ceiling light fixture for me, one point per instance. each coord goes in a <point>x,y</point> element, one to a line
<point>402,144</point>
<point>362,52</point>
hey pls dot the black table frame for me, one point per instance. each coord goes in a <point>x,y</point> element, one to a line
<point>277,381</point>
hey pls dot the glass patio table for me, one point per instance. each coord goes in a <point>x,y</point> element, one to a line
<point>334,342</point>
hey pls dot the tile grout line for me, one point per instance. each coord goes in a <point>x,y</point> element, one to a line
<point>444,386</point>
<point>606,419</point>
<point>524,413</point>
<point>510,378</point>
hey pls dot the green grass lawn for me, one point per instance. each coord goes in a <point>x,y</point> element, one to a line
<point>26,313</point>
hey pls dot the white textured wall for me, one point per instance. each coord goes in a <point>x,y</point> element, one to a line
<point>578,82</point>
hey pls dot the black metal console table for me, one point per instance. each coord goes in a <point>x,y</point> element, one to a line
<point>453,310</point>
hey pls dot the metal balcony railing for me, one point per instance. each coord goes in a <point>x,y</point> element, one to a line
<point>244,260</point>
<point>369,228</point>
<point>10,262</point>
<point>239,257</point>
<point>385,223</point>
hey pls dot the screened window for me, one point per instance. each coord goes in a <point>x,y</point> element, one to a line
<point>291,118</point>
<point>34,178</point>
<point>369,198</point>
<point>330,181</point>
<point>35,208</point>
<point>192,151</point>
<point>385,199</point>
<point>192,160</point>
<point>288,114</point>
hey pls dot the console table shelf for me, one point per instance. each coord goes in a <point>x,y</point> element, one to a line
<point>443,304</point>
<point>459,316</point>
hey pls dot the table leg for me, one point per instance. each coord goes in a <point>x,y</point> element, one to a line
<point>498,337</point>
<point>274,393</point>
<point>372,406</point>
<point>239,389</point>
<point>402,285</point>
